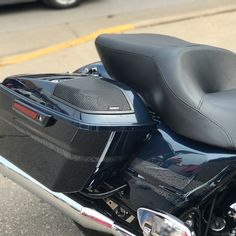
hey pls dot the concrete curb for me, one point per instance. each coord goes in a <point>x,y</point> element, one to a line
<point>28,56</point>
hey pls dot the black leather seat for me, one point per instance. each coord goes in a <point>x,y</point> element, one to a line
<point>191,86</point>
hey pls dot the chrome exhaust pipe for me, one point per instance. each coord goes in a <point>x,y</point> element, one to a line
<point>86,217</point>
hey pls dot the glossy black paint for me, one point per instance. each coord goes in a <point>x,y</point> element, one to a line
<point>169,171</point>
<point>65,153</point>
<point>166,171</point>
<point>172,173</point>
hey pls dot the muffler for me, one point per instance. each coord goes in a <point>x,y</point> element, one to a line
<point>86,217</point>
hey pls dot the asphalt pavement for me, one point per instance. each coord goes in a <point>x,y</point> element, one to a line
<point>21,213</point>
<point>32,26</point>
<point>34,15</point>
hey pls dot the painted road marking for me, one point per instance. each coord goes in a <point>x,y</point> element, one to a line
<point>16,59</point>
<point>24,57</point>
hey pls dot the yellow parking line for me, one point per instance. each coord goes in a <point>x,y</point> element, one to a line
<point>16,59</point>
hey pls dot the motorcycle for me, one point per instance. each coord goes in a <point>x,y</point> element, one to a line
<point>141,143</point>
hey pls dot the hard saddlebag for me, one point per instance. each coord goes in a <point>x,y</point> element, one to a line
<point>67,130</point>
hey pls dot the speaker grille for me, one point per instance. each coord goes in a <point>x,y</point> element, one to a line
<point>92,95</point>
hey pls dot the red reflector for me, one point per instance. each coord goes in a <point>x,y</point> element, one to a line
<point>25,110</point>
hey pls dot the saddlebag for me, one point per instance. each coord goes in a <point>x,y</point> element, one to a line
<point>69,131</point>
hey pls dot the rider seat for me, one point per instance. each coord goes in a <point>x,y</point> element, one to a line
<point>192,87</point>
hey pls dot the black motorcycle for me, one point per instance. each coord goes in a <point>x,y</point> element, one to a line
<point>141,143</point>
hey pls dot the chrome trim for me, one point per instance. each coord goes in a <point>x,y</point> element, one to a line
<point>232,211</point>
<point>87,217</point>
<point>104,153</point>
<point>151,219</point>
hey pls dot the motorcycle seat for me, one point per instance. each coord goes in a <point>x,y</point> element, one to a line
<point>192,87</point>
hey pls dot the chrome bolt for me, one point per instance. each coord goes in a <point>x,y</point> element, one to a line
<point>40,118</point>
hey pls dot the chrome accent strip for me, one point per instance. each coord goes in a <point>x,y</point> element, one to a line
<point>87,217</point>
<point>104,153</point>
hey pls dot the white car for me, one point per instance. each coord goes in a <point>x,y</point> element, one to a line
<point>60,4</point>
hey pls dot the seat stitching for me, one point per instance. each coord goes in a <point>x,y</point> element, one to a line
<point>201,102</point>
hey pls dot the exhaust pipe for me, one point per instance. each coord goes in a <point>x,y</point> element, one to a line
<point>86,217</point>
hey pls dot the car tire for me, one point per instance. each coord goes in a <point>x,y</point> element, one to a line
<point>62,4</point>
